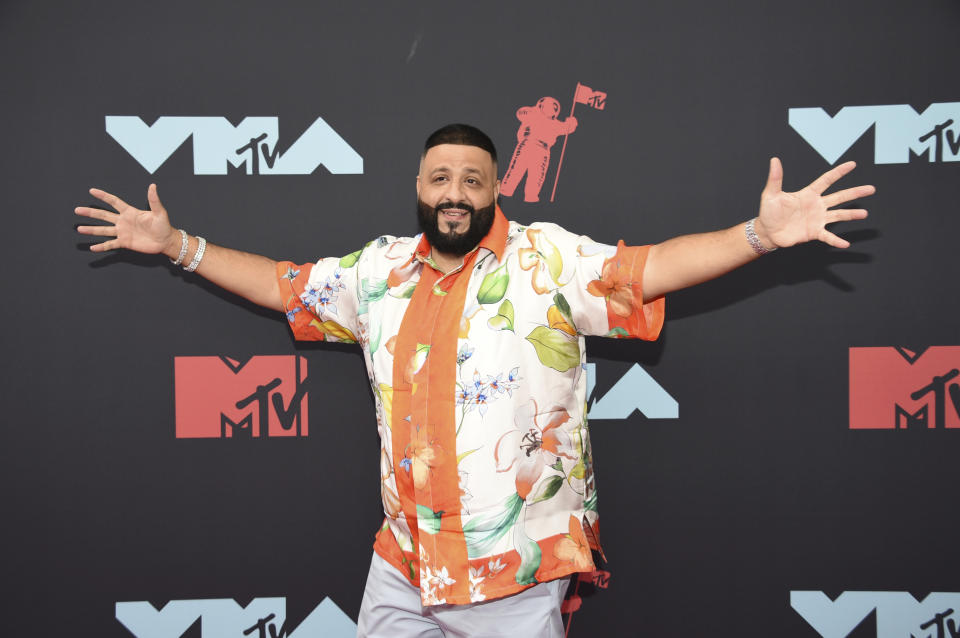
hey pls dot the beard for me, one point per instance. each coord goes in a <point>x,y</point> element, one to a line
<point>455,243</point>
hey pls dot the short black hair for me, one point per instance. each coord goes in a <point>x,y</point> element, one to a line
<point>462,134</point>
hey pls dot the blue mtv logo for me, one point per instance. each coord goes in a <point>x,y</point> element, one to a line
<point>636,390</point>
<point>898,131</point>
<point>225,618</point>
<point>252,144</point>
<point>898,614</point>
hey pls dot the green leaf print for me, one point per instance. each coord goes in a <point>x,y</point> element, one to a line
<point>579,470</point>
<point>373,291</point>
<point>555,348</point>
<point>529,556</point>
<point>370,292</point>
<point>351,259</point>
<point>494,286</point>
<point>483,532</point>
<point>590,504</point>
<point>547,489</point>
<point>504,318</point>
<point>561,302</point>
<point>406,292</point>
<point>429,521</point>
<point>618,332</point>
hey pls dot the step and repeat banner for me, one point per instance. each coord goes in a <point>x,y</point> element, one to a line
<point>781,462</point>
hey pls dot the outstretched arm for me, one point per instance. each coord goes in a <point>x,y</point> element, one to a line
<point>253,277</point>
<point>785,219</point>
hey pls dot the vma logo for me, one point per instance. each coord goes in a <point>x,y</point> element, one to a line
<point>223,617</point>
<point>217,397</point>
<point>898,614</point>
<point>636,390</point>
<point>899,132</point>
<point>540,127</point>
<point>217,143</point>
<point>896,388</point>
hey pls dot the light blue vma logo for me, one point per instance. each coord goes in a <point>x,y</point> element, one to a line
<point>898,613</point>
<point>251,144</point>
<point>224,618</point>
<point>636,390</point>
<point>899,132</point>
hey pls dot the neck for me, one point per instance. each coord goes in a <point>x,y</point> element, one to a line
<point>445,261</point>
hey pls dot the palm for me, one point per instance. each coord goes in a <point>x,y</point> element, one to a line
<point>143,231</point>
<point>801,216</point>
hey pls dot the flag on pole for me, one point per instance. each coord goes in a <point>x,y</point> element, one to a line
<point>583,94</point>
<point>586,95</point>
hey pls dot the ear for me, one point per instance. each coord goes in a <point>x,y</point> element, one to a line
<point>418,185</point>
<point>496,190</point>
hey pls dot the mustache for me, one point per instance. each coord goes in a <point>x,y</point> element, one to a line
<point>450,204</point>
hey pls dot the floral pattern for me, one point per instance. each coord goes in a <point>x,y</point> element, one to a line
<point>477,374</point>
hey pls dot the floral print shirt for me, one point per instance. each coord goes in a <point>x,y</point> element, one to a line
<point>478,377</point>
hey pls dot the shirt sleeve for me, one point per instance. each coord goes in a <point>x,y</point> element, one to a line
<point>602,286</point>
<point>321,299</point>
<point>620,285</point>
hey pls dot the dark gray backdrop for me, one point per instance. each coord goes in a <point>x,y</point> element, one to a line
<point>709,520</point>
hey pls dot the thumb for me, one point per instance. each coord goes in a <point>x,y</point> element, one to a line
<point>154,200</point>
<point>774,178</point>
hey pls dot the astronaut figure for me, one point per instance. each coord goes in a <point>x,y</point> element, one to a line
<point>539,129</point>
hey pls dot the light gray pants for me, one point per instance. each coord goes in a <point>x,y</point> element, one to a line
<point>391,609</point>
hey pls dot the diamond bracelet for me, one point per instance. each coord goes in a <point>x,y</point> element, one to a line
<point>754,241</point>
<point>201,246</point>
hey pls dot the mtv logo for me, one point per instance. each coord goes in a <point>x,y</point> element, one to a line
<point>896,388</point>
<point>635,390</point>
<point>218,397</point>
<point>899,131</point>
<point>224,618</point>
<point>253,143</point>
<point>898,613</point>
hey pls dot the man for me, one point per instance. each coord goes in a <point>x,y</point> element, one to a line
<point>473,338</point>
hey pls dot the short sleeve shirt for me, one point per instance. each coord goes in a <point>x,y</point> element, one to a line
<point>479,384</point>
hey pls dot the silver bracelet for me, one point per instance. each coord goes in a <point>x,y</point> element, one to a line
<point>183,248</point>
<point>754,241</point>
<point>201,246</point>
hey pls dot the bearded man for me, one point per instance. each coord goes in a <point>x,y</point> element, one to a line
<point>473,337</point>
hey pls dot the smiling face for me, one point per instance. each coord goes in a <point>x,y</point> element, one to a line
<point>457,190</point>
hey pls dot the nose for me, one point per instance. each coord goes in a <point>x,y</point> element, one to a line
<point>454,191</point>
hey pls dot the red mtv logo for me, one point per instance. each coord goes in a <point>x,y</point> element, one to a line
<point>896,388</point>
<point>217,397</point>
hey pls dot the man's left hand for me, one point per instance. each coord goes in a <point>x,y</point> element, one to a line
<point>786,219</point>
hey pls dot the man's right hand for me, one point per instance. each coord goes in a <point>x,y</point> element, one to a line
<point>143,231</point>
<point>251,276</point>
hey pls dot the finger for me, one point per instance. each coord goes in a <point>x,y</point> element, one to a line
<point>847,195</point>
<point>109,198</point>
<point>105,246</point>
<point>97,213</point>
<point>832,240</point>
<point>826,180</point>
<point>154,199</point>
<point>774,177</point>
<point>104,231</point>
<point>845,215</point>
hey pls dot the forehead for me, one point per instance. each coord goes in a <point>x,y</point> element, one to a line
<point>457,157</point>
